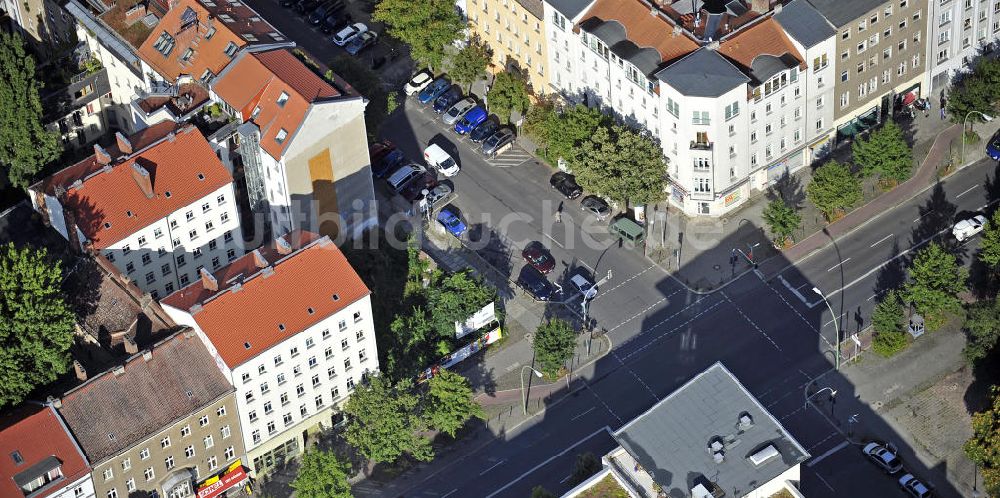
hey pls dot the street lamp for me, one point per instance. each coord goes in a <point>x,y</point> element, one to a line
<point>836,346</point>
<point>986,117</point>
<point>524,394</point>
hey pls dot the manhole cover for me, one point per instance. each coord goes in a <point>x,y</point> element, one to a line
<point>716,267</point>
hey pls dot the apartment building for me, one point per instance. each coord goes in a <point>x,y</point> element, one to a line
<point>303,143</point>
<point>40,457</point>
<point>513,30</point>
<point>76,111</point>
<point>560,17</point>
<point>45,26</point>
<point>879,59</point>
<point>959,31</point>
<point>290,325</point>
<point>159,205</point>
<point>161,424</point>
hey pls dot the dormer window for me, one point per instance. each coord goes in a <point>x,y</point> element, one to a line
<point>249,37</point>
<point>255,113</point>
<point>210,33</point>
<point>188,55</point>
<point>282,99</point>
<point>16,456</point>
<point>281,136</point>
<point>164,44</point>
<point>231,49</point>
<point>207,76</point>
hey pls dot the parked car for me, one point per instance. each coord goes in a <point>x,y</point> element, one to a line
<point>435,156</point>
<point>414,190</point>
<point>344,36</point>
<point>361,42</point>
<point>418,82</point>
<point>306,6</point>
<point>288,3</point>
<point>502,137</point>
<point>399,178</point>
<point>431,92</point>
<point>438,195</point>
<point>536,284</point>
<point>449,219</point>
<point>388,164</point>
<point>332,22</point>
<point>584,285</point>
<point>457,110</point>
<point>470,120</point>
<point>914,487</point>
<point>485,130</point>
<point>566,184</point>
<point>993,147</point>
<point>447,99</point>
<point>883,455</point>
<point>319,14</point>
<point>966,228</point>
<point>538,257</point>
<point>596,206</point>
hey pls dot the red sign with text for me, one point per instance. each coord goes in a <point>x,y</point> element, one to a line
<point>228,480</point>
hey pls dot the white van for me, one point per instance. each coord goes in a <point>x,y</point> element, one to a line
<point>438,158</point>
<point>403,175</point>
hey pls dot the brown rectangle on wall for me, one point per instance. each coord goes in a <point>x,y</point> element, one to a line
<point>324,193</point>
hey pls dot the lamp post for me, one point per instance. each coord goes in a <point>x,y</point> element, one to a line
<point>836,346</point>
<point>986,117</point>
<point>524,394</point>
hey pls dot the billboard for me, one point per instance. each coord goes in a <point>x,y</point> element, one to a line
<point>478,320</point>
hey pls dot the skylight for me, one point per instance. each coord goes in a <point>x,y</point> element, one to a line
<point>281,136</point>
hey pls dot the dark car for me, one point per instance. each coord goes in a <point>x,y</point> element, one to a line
<point>485,130</point>
<point>447,99</point>
<point>502,137</point>
<point>388,164</point>
<point>332,22</point>
<point>378,150</point>
<point>536,255</point>
<point>536,284</point>
<point>306,6</point>
<point>566,184</point>
<point>413,191</point>
<point>319,14</point>
<point>361,42</point>
<point>993,147</point>
<point>596,206</point>
<point>434,90</point>
<point>288,3</point>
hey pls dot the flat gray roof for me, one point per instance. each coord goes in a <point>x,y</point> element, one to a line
<point>842,12</point>
<point>804,23</point>
<point>569,8</point>
<point>703,73</point>
<point>672,439</point>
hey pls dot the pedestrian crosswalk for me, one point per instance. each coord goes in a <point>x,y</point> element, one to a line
<point>514,156</point>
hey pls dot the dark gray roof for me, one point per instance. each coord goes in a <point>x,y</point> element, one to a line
<point>803,23</point>
<point>612,33</point>
<point>703,73</point>
<point>533,6</point>
<point>73,96</point>
<point>842,12</point>
<point>569,8</point>
<point>672,439</point>
<point>765,65</point>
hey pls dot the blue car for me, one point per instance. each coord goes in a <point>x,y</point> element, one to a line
<point>388,164</point>
<point>434,90</point>
<point>447,99</point>
<point>449,219</point>
<point>993,147</point>
<point>471,120</point>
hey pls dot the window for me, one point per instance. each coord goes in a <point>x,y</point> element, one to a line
<point>360,335</point>
<point>297,370</point>
<point>328,353</point>
<point>350,381</point>
<point>129,267</point>
<point>209,226</point>
<point>282,99</point>
<point>885,76</point>
<point>181,261</point>
<point>108,474</point>
<point>146,259</point>
<point>944,37</point>
<point>319,401</point>
<point>702,185</point>
<point>844,76</point>
<point>331,372</point>
<point>862,46</point>
<point>267,408</point>
<point>344,344</point>
<point>281,136</point>
<point>189,451</point>
<point>230,453</point>
<point>342,325</point>
<point>255,435</point>
<point>819,124</point>
<point>165,270</point>
<point>209,441</point>
<point>916,60</point>
<point>363,357</point>
<point>820,62</point>
<point>186,430</point>
<point>294,352</point>
<point>223,218</point>
<point>193,234</point>
<point>264,388</point>
<point>284,399</point>
<point>861,67</point>
<point>673,108</point>
<point>149,474</point>
<point>310,343</point>
<point>142,239</point>
<point>165,442</point>
<point>700,118</point>
<point>300,389</point>
<point>326,334</point>
<point>112,493</point>
<point>287,419</point>
<point>732,110</point>
<point>169,462</point>
<point>246,377</point>
<point>819,103</point>
<point>230,47</point>
<point>861,26</point>
<point>303,411</point>
<point>144,454</point>
<point>130,484</point>
<point>249,396</point>
<point>281,379</point>
<point>126,463</point>
<point>261,369</point>
<point>253,415</point>
<point>315,380</point>
<point>213,462</point>
<point>313,362</point>
<point>226,432</point>
<point>945,17</point>
<point>845,99</point>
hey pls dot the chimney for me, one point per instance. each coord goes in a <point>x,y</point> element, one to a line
<point>713,45</point>
<point>760,6</point>
<point>142,179</point>
<point>284,248</point>
<point>147,355</point>
<point>123,144</point>
<point>130,345</point>
<point>101,155</point>
<point>259,260</point>
<point>208,281</point>
<point>81,373</point>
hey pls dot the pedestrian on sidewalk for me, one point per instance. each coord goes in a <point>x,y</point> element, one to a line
<point>944,102</point>
<point>559,212</point>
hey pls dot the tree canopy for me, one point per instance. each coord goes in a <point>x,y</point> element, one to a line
<point>884,153</point>
<point>936,278</point>
<point>989,244</point>
<point>782,220</point>
<point>427,26</point>
<point>322,475</point>
<point>833,189</point>
<point>449,403</point>
<point>36,324</point>
<point>562,133</point>
<point>622,164</point>
<point>888,320</point>
<point>25,145</point>
<point>509,93</point>
<point>384,422</point>
<point>470,63</point>
<point>982,323</point>
<point>983,447</point>
<point>555,341</point>
<point>978,90</point>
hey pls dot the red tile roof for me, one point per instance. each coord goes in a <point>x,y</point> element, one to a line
<point>764,38</point>
<point>188,24</point>
<point>642,28</point>
<point>258,80</point>
<point>273,303</point>
<point>36,433</point>
<point>108,205</point>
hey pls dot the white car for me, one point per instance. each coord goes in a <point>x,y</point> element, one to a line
<point>885,456</point>
<point>435,156</point>
<point>914,487</point>
<point>458,110</point>
<point>585,286</point>
<point>344,36</point>
<point>967,228</point>
<point>418,82</point>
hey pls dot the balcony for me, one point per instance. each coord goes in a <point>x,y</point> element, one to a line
<point>696,145</point>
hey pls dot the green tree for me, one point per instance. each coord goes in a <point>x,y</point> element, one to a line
<point>983,447</point>
<point>555,341</point>
<point>36,324</point>
<point>888,321</point>
<point>25,145</point>
<point>833,189</point>
<point>989,244</point>
<point>469,64</point>
<point>782,220</point>
<point>936,278</point>
<point>322,475</point>
<point>427,26</point>
<point>622,164</point>
<point>383,423</point>
<point>541,492</point>
<point>454,298</point>
<point>884,153</point>
<point>562,133</point>
<point>450,404</point>
<point>587,464</point>
<point>977,91</point>
<point>982,323</point>
<point>509,93</point>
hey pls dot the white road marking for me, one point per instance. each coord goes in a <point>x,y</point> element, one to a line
<point>751,322</point>
<point>887,237</point>
<point>825,483</point>
<point>582,414</point>
<point>970,189</point>
<point>829,452</point>
<point>839,264</point>
<point>495,465</point>
<point>922,216</point>
<point>446,495</point>
<point>554,240</point>
<point>643,312</point>
<point>564,479</point>
<point>842,315</point>
<point>795,290</point>
<point>546,462</point>
<point>679,327</point>
<point>873,296</point>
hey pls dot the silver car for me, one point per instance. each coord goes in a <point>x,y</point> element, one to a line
<point>457,111</point>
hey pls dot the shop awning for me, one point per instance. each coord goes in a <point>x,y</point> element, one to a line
<point>909,98</point>
<point>215,486</point>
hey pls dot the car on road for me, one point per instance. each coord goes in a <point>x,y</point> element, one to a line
<point>447,99</point>
<point>914,487</point>
<point>437,195</point>
<point>458,110</point>
<point>470,120</point>
<point>434,90</point>
<point>414,190</point>
<point>418,82</point>
<point>968,227</point>
<point>502,137</point>
<point>344,36</point>
<point>485,130</point>
<point>435,156</point>
<point>361,42</point>
<point>596,206</point>
<point>993,147</point>
<point>566,184</point>
<point>883,455</point>
<point>536,284</point>
<point>451,221</point>
<point>538,257</point>
<point>388,164</point>
<point>584,285</point>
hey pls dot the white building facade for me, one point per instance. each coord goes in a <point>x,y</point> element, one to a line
<point>960,31</point>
